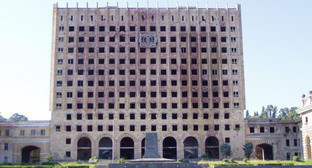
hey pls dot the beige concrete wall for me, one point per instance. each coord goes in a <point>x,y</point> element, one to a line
<point>18,141</point>
<point>123,17</point>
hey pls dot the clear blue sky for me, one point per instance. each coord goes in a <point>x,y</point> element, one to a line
<point>277,51</point>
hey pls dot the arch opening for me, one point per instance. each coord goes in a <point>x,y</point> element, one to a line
<point>264,152</point>
<point>30,154</point>
<point>84,149</point>
<point>190,148</point>
<point>170,148</point>
<point>127,148</point>
<point>106,148</point>
<point>212,147</point>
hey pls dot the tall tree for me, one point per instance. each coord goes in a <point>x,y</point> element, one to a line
<point>264,113</point>
<point>283,113</point>
<point>247,114</point>
<point>18,117</point>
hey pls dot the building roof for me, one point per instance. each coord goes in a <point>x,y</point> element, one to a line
<point>32,123</point>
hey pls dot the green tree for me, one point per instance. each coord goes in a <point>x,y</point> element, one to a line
<point>18,117</point>
<point>2,119</point>
<point>248,150</point>
<point>226,150</point>
<point>247,114</point>
<point>293,113</point>
<point>264,113</point>
<point>283,113</point>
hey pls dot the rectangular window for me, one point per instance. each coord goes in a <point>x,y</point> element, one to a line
<point>22,132</point>
<point>252,129</point>
<point>6,146</point>
<point>287,142</point>
<point>33,132</point>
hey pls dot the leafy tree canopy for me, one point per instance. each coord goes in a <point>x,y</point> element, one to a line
<point>271,111</point>
<point>18,117</point>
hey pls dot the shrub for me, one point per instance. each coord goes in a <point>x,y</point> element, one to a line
<point>296,159</point>
<point>49,163</point>
<point>121,160</point>
<point>231,160</point>
<point>225,160</point>
<point>186,161</point>
<point>49,158</point>
<point>226,150</point>
<point>205,157</point>
<point>180,160</point>
<point>245,160</point>
<point>248,150</point>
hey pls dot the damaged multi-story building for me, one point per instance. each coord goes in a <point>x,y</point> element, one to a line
<point>118,73</point>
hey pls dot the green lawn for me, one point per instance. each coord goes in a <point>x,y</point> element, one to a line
<point>255,163</point>
<point>212,164</point>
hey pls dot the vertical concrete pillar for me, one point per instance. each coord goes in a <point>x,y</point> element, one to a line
<point>116,149</point>
<point>201,148</point>
<point>137,149</point>
<point>180,149</point>
<point>275,152</point>
<point>93,148</point>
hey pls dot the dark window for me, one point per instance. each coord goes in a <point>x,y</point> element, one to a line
<point>162,28</point>
<point>182,28</point>
<point>112,28</point>
<point>89,127</point>
<point>132,28</point>
<point>142,28</point>
<point>102,28</point>
<point>251,129</point>
<point>216,128</point>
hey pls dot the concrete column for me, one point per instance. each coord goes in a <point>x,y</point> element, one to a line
<point>275,152</point>
<point>180,149</point>
<point>94,149</point>
<point>201,148</point>
<point>116,149</point>
<point>160,149</point>
<point>137,149</point>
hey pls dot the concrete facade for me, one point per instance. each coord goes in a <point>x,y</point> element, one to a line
<point>306,113</point>
<point>282,138</point>
<point>16,137</point>
<point>121,72</point>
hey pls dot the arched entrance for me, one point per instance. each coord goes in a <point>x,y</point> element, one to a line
<point>127,148</point>
<point>30,154</point>
<point>190,148</point>
<point>170,148</point>
<point>308,147</point>
<point>264,151</point>
<point>105,148</point>
<point>84,149</point>
<point>142,148</point>
<point>212,147</point>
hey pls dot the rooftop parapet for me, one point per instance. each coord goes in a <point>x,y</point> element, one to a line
<point>147,6</point>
